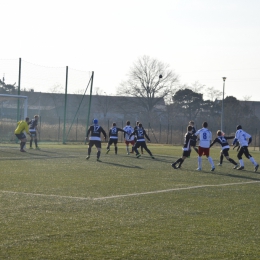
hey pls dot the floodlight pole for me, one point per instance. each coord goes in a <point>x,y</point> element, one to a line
<point>222,113</point>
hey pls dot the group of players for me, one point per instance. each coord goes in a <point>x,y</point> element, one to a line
<point>241,139</point>
<point>133,136</point>
<point>136,138</point>
<point>31,128</point>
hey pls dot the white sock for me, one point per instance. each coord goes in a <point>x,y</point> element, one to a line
<point>199,161</point>
<point>241,162</point>
<point>211,162</point>
<point>253,161</point>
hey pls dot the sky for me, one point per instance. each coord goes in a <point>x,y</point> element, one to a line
<point>201,40</point>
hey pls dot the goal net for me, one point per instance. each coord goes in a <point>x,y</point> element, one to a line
<point>13,108</point>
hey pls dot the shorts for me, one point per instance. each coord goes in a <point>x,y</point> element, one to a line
<point>21,136</point>
<point>112,141</point>
<point>94,142</point>
<point>186,153</point>
<point>33,134</point>
<point>225,152</point>
<point>203,151</point>
<point>130,142</point>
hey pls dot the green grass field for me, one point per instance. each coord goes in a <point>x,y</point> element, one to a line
<point>56,205</point>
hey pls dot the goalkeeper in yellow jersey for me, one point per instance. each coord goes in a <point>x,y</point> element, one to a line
<point>22,126</point>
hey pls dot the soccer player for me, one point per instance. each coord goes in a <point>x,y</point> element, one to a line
<point>205,137</point>
<point>140,134</point>
<point>19,132</point>
<point>95,132</point>
<point>33,127</point>
<point>186,148</point>
<point>137,125</point>
<point>113,137</point>
<point>129,140</point>
<point>244,140</point>
<point>193,140</point>
<point>222,140</point>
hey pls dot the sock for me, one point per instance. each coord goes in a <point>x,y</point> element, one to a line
<point>241,162</point>
<point>31,142</point>
<point>22,145</point>
<point>98,154</point>
<point>36,143</point>
<point>199,161</point>
<point>180,161</point>
<point>127,149</point>
<point>221,159</point>
<point>89,150</point>
<point>232,161</point>
<point>116,150</point>
<point>211,161</point>
<point>253,161</point>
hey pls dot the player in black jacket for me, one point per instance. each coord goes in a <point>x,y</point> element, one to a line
<point>95,131</point>
<point>140,134</point>
<point>113,136</point>
<point>222,140</point>
<point>194,137</point>
<point>186,148</point>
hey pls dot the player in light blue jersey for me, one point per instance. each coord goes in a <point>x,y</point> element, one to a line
<point>244,140</point>
<point>205,137</point>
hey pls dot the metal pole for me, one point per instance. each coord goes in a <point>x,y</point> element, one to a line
<point>222,114</point>
<point>65,107</point>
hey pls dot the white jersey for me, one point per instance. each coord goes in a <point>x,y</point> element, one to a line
<point>242,137</point>
<point>205,137</point>
<point>129,129</point>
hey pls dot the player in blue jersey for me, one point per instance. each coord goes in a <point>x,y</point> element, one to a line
<point>113,137</point>
<point>33,128</point>
<point>244,140</point>
<point>140,134</point>
<point>222,140</point>
<point>186,148</point>
<point>193,140</point>
<point>95,131</point>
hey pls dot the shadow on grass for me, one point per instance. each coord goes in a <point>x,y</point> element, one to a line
<point>236,176</point>
<point>122,165</point>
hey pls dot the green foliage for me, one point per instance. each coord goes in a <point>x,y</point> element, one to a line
<point>56,205</point>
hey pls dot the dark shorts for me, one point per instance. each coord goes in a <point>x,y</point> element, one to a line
<point>186,153</point>
<point>225,152</point>
<point>244,150</point>
<point>21,136</point>
<point>33,134</point>
<point>94,142</point>
<point>130,142</point>
<point>112,141</point>
<point>203,151</point>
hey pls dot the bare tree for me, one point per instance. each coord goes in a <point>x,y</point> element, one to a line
<point>213,93</point>
<point>151,81</point>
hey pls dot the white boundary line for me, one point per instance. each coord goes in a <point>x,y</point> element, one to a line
<point>131,194</point>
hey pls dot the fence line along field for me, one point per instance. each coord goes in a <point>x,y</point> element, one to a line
<point>57,205</point>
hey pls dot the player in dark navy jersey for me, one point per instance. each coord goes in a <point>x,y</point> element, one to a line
<point>95,131</point>
<point>113,136</point>
<point>186,148</point>
<point>137,124</point>
<point>33,128</point>
<point>222,140</point>
<point>140,134</point>
<point>193,140</point>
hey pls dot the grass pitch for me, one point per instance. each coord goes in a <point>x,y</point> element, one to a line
<point>54,204</point>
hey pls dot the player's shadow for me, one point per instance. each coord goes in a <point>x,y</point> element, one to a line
<point>122,165</point>
<point>237,176</point>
